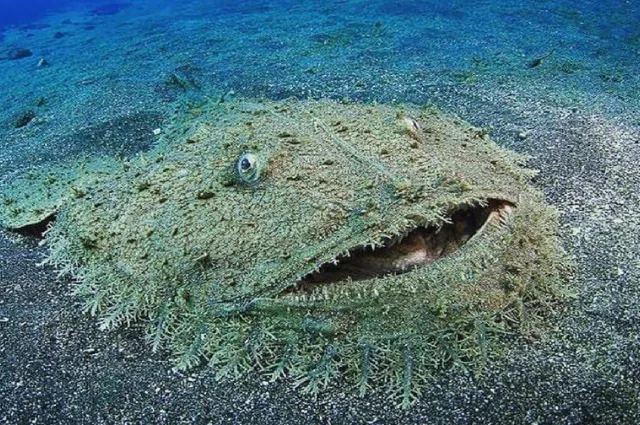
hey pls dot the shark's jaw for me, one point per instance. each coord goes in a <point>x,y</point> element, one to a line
<point>418,248</point>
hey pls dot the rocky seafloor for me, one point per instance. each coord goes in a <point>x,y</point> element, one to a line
<point>114,74</point>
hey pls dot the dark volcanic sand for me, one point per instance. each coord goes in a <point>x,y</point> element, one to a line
<point>576,114</point>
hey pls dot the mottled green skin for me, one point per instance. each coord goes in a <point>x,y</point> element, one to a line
<point>179,239</point>
<point>38,194</point>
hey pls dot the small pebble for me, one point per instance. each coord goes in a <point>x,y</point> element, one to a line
<point>205,194</point>
<point>19,53</point>
<point>24,119</point>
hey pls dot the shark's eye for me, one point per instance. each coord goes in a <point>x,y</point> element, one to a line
<point>247,167</point>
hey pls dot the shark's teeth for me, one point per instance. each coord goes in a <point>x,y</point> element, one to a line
<point>502,215</point>
<point>505,212</point>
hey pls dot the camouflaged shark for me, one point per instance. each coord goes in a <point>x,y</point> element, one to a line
<point>307,239</point>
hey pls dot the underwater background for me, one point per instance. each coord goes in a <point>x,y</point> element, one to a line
<point>556,80</point>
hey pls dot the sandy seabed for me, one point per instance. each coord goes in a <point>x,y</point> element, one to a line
<point>114,78</point>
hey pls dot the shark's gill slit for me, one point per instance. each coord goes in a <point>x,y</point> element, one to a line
<point>36,230</point>
<point>420,247</point>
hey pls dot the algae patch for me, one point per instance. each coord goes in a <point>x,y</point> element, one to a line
<point>311,240</point>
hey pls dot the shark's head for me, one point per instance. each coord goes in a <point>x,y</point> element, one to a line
<point>312,238</point>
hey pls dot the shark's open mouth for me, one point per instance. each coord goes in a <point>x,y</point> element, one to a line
<point>418,248</point>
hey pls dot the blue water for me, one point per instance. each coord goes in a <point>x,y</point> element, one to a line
<point>14,12</point>
<point>108,61</point>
